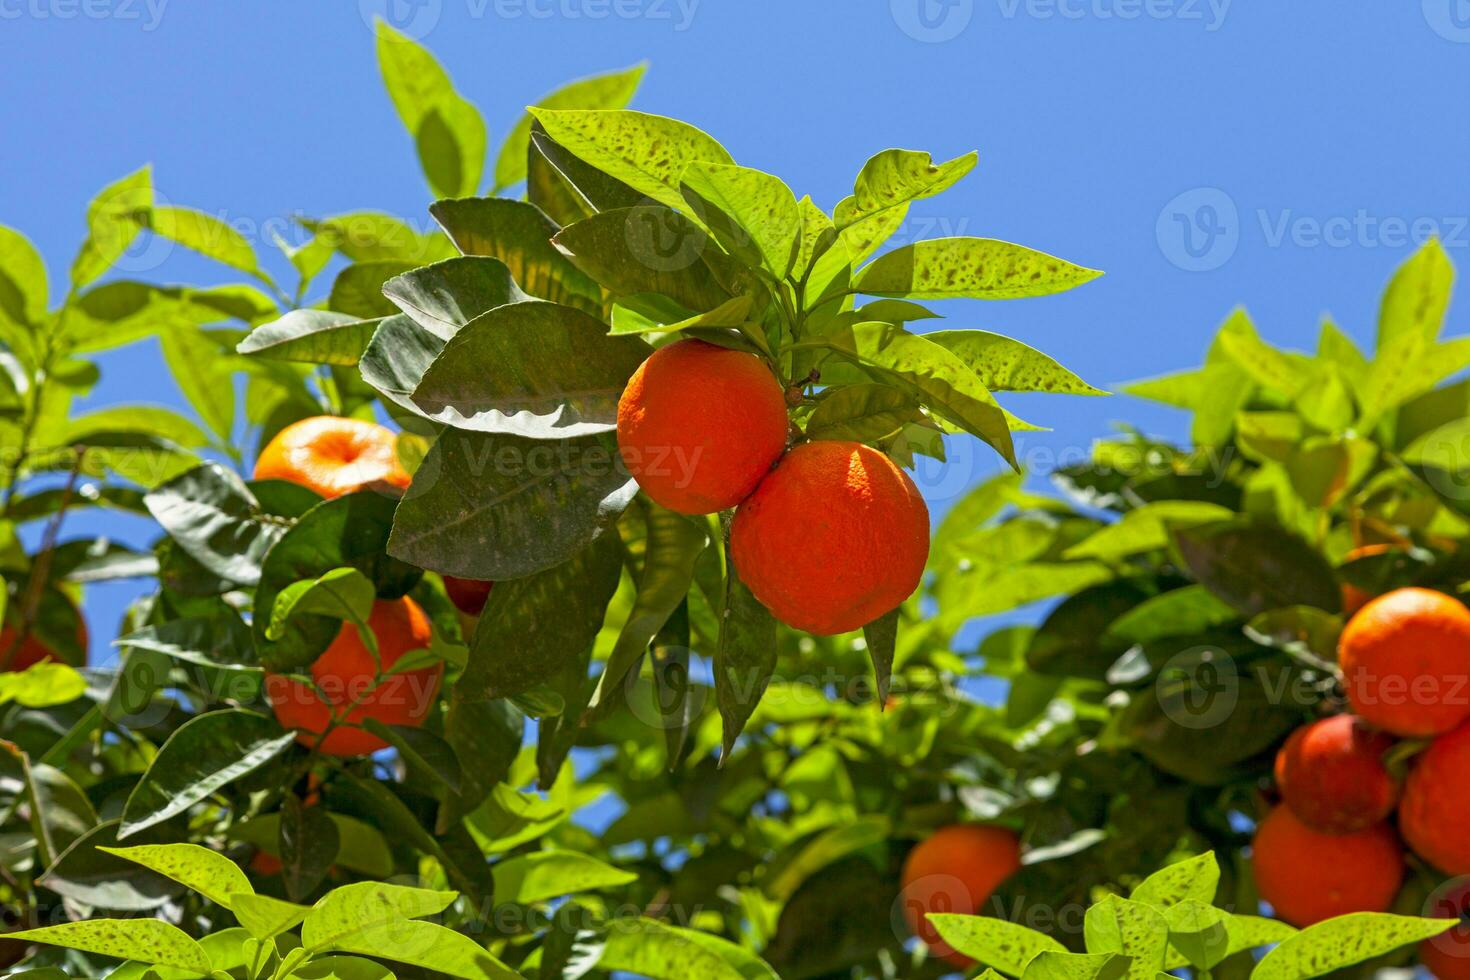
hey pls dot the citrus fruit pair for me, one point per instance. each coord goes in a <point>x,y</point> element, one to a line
<point>829,536</point>
<point>335,456</point>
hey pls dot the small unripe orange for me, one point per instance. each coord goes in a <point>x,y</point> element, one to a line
<point>836,536</point>
<point>1433,812</point>
<point>1331,774</point>
<point>1308,876</point>
<point>33,650</point>
<point>955,870</point>
<point>1405,660</point>
<point>468,594</point>
<point>700,425</point>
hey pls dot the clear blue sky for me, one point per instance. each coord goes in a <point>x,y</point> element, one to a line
<point>1294,142</point>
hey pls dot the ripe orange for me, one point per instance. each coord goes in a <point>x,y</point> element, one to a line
<point>1447,956</point>
<point>1354,598</point>
<point>467,594</point>
<point>1331,774</point>
<point>265,864</point>
<point>1436,800</point>
<point>1405,659</point>
<point>699,425</point>
<point>332,455</point>
<point>955,870</point>
<point>344,673</point>
<point>33,649</point>
<point>834,538</point>
<point>1308,876</point>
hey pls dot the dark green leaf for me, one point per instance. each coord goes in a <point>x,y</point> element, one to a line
<point>308,846</point>
<point>1256,567</point>
<point>313,336</point>
<point>216,520</point>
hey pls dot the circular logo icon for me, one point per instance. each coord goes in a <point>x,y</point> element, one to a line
<point>932,21</point>
<point>411,18</point>
<point>1450,900</point>
<point>1199,230</point>
<point>1450,19</point>
<point>661,239</point>
<point>1198,688</point>
<point>669,700</point>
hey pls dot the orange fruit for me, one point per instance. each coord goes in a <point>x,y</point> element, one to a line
<point>1308,876</point>
<point>332,455</point>
<point>836,536</point>
<point>1331,774</point>
<point>699,425</point>
<point>1405,659</point>
<point>1447,956</point>
<point>344,675</point>
<point>1436,800</point>
<point>33,649</point>
<point>1354,598</point>
<point>265,864</point>
<point>467,594</point>
<point>955,870</point>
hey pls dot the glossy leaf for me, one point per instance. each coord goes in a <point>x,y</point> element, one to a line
<point>1004,364</point>
<point>612,90</point>
<point>1006,946</point>
<point>145,940</point>
<point>752,214</point>
<point>979,268</point>
<point>199,869</point>
<point>745,657</point>
<point>313,336</point>
<point>545,875</point>
<point>895,177</point>
<point>447,130</point>
<point>212,515</point>
<point>1343,941</point>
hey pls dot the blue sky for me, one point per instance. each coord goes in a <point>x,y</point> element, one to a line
<point>1204,154</point>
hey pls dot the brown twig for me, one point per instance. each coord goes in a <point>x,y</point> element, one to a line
<point>41,566</point>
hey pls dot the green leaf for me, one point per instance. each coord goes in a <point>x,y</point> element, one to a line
<point>203,372</point>
<point>881,636</point>
<point>145,940</point>
<point>496,506</point>
<point>447,130</point>
<point>397,357</point>
<point>445,296</point>
<point>486,739</point>
<point>1255,567</point>
<point>752,214</point>
<point>1136,930</point>
<point>826,848</point>
<point>205,234</point>
<point>1343,941</point>
<point>549,618</point>
<point>1146,529</point>
<point>519,235</point>
<point>745,658</point>
<point>267,917</point>
<point>308,846</point>
<point>349,531</point>
<point>1273,369</point>
<point>818,235</point>
<point>371,236</point>
<point>545,875</point>
<point>430,946</point>
<point>42,685</point>
<point>866,413</point>
<point>23,284</point>
<point>928,371</point>
<point>674,544</point>
<point>648,153</point>
<point>88,876</point>
<point>895,177</point>
<point>205,754</point>
<point>1198,932</point>
<point>114,218</point>
<point>358,289</point>
<point>612,90</point>
<point>312,336</point>
<point>1006,946</point>
<point>200,869</point>
<point>421,749</point>
<point>648,249</point>
<point>342,593</point>
<point>367,905</point>
<point>531,369</point>
<point>978,268</point>
<point>1051,965</point>
<point>211,514</point>
<point>566,188</point>
<point>1004,364</point>
<point>219,640</point>
<point>650,948</point>
<point>1417,298</point>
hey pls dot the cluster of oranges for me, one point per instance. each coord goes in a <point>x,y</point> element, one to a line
<point>335,456</point>
<point>829,535</point>
<point>1331,847</point>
